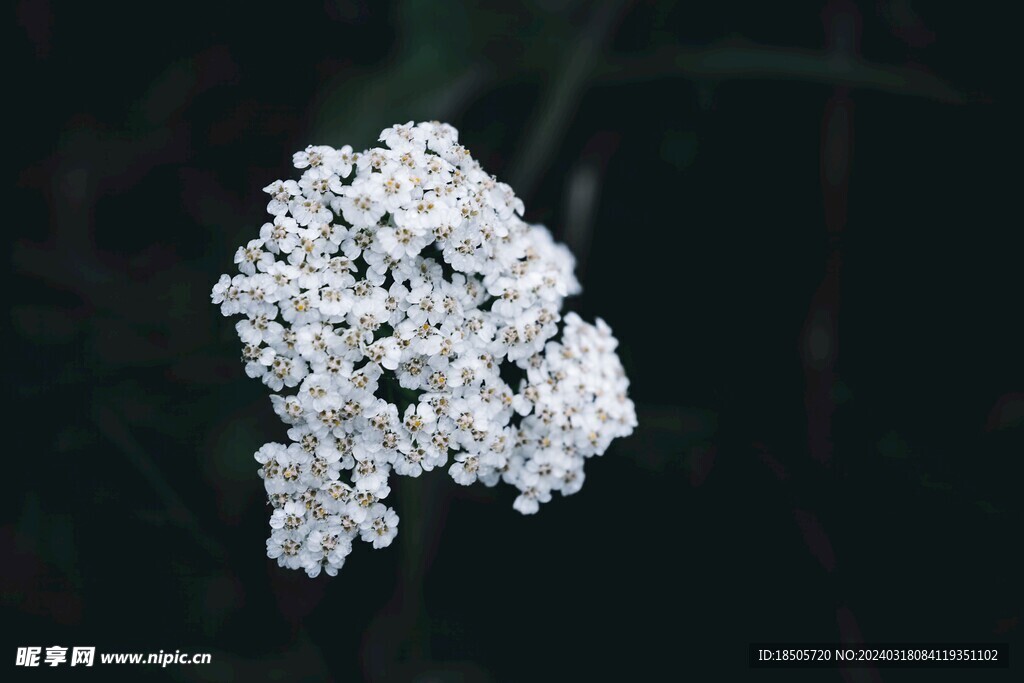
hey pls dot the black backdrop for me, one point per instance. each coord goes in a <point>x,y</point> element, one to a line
<point>801,223</point>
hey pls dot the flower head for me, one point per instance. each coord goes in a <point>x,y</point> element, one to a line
<point>383,300</point>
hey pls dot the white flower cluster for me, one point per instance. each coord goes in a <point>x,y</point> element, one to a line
<point>398,292</point>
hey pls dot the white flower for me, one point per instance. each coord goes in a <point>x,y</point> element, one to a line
<point>335,302</point>
<point>370,475</point>
<point>281,236</point>
<point>251,256</point>
<point>403,275</point>
<point>290,517</point>
<point>259,328</point>
<point>465,468</point>
<point>534,492</point>
<point>386,352</point>
<point>343,163</point>
<point>439,137</point>
<point>315,341</point>
<point>381,526</point>
<point>360,203</point>
<point>310,209</point>
<point>258,360</point>
<point>328,546</point>
<point>315,156</point>
<point>402,242</point>
<point>317,182</point>
<point>281,193</point>
<point>284,545</point>
<point>402,138</point>
<point>394,188</point>
<point>420,420</point>
<point>424,214</point>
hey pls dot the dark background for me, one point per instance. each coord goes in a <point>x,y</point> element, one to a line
<point>799,218</point>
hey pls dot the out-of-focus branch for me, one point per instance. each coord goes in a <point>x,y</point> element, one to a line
<point>111,426</point>
<point>738,61</point>
<point>564,89</point>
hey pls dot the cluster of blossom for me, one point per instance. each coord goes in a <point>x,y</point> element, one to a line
<point>405,275</point>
